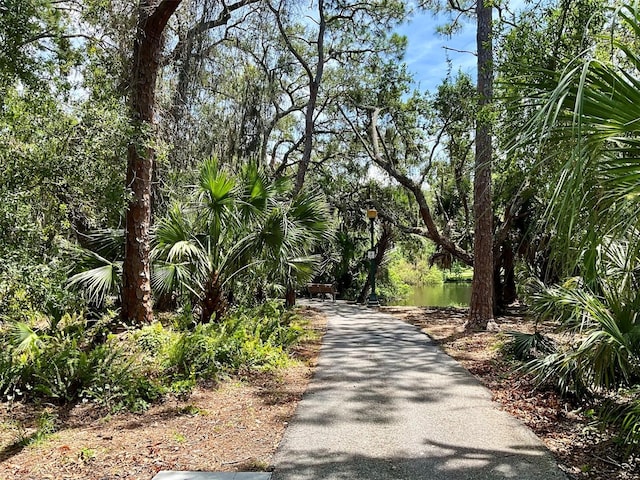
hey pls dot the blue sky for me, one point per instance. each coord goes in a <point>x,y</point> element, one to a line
<point>426,55</point>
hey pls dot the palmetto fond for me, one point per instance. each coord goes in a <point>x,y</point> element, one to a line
<point>236,226</point>
<point>594,217</point>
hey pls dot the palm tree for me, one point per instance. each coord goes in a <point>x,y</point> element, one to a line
<point>236,225</point>
<point>194,245</point>
<point>289,233</point>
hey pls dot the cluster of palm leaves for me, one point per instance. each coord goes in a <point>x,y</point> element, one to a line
<point>595,107</point>
<point>239,234</point>
<point>594,217</point>
<point>602,321</point>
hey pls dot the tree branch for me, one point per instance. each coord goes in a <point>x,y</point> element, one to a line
<point>287,41</point>
<point>223,18</point>
<point>460,51</point>
<point>163,12</point>
<point>409,184</point>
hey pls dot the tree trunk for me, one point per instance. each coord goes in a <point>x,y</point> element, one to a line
<point>481,309</point>
<point>315,79</point>
<point>136,289</point>
<point>309,126</point>
<point>290,297</point>
<point>213,303</point>
<point>362,297</point>
<point>504,277</point>
<point>381,249</point>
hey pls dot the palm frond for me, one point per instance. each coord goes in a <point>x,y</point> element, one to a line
<point>310,212</point>
<point>626,415</point>
<point>527,346</point>
<point>169,277</point>
<point>107,243</point>
<point>595,105</point>
<point>24,339</point>
<point>256,191</point>
<point>564,369</point>
<point>302,269</point>
<point>216,186</point>
<point>239,226</point>
<point>173,228</point>
<point>99,282</point>
<point>606,328</point>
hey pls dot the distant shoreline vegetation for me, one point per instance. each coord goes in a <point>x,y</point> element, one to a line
<point>407,271</point>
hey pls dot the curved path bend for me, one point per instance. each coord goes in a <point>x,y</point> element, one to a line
<point>387,403</point>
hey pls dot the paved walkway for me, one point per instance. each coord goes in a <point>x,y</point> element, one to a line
<point>386,403</point>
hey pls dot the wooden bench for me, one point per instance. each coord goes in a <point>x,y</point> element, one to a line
<point>321,288</point>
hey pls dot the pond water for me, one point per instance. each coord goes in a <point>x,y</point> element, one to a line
<point>444,295</point>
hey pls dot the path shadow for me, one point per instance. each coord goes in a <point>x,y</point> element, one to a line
<point>387,403</point>
<point>374,359</point>
<point>439,461</point>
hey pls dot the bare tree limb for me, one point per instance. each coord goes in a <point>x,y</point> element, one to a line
<point>475,54</point>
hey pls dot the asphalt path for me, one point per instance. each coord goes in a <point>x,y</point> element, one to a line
<point>387,403</point>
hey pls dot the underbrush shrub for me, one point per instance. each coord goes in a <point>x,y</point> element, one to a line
<point>390,287</point>
<point>60,371</point>
<point>57,364</point>
<point>256,355</point>
<point>32,292</point>
<point>62,362</point>
<point>194,354</point>
<point>37,364</point>
<point>184,319</point>
<point>182,388</point>
<point>118,381</point>
<point>246,340</point>
<point>273,325</point>
<point>154,340</point>
<point>417,272</point>
<point>10,376</point>
<point>601,355</point>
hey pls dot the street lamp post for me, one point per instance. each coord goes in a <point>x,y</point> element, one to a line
<point>373,298</point>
